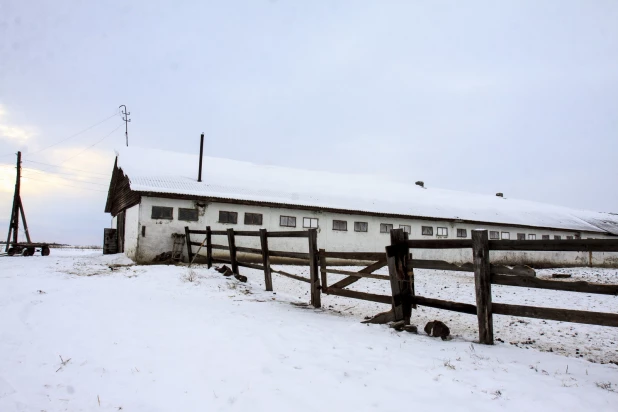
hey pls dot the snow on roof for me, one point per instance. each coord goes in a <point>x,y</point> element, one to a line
<point>152,170</point>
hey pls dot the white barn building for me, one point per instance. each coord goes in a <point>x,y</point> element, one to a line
<point>155,193</point>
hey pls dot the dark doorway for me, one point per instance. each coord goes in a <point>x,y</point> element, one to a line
<point>120,219</point>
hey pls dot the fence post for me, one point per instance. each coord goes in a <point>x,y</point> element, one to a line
<point>397,259</point>
<point>322,258</point>
<point>482,283</point>
<point>410,273</point>
<point>316,299</point>
<point>189,249</point>
<point>232,244</point>
<point>268,280</point>
<point>208,247</point>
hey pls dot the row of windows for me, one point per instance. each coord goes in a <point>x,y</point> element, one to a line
<point>163,212</point>
<point>522,236</point>
<point>191,215</point>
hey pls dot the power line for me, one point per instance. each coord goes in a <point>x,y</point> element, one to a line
<point>65,167</point>
<point>35,170</point>
<point>74,135</point>
<point>44,172</point>
<point>66,178</point>
<point>92,145</point>
<point>76,187</point>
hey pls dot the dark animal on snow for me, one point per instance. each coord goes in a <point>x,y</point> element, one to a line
<point>437,329</point>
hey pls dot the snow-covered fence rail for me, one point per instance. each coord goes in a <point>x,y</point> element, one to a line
<point>401,265</point>
<point>310,258</point>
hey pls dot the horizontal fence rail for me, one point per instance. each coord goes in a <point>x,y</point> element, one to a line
<point>563,245</point>
<point>564,315</point>
<point>532,282</point>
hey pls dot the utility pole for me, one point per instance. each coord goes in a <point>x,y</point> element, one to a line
<point>17,210</point>
<point>126,122</point>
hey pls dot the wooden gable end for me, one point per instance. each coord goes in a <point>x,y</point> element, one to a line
<point>120,196</point>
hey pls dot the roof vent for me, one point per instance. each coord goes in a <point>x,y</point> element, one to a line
<point>420,183</point>
<point>500,194</point>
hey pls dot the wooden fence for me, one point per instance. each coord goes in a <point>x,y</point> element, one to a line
<point>338,288</point>
<point>401,275</point>
<point>310,258</point>
<point>401,265</point>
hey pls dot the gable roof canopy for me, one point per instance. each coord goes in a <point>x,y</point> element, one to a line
<point>172,173</point>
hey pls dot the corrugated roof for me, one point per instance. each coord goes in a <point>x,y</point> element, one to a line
<point>151,170</point>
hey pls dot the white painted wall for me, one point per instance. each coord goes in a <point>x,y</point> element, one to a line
<point>131,231</point>
<point>158,233</point>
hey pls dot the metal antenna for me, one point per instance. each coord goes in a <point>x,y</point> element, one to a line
<point>126,122</point>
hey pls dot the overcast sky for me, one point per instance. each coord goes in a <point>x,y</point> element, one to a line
<point>519,97</point>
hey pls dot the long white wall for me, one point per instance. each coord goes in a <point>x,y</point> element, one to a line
<point>157,234</point>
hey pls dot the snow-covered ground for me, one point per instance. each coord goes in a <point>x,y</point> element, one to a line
<point>77,335</point>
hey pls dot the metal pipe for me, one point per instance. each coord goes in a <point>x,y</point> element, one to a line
<point>199,173</point>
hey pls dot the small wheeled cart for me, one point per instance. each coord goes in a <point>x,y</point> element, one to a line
<point>27,249</point>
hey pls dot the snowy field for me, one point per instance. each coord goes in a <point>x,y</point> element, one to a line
<point>79,335</point>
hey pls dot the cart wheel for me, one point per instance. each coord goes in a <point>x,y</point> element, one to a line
<point>45,251</point>
<point>11,251</point>
<point>29,251</point>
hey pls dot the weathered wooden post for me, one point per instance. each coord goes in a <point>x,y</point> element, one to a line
<point>232,244</point>
<point>410,272</point>
<point>316,299</point>
<point>322,258</point>
<point>482,283</point>
<point>397,260</point>
<point>189,249</point>
<point>268,280</point>
<point>208,247</point>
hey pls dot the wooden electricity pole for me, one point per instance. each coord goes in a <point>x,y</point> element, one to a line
<point>17,210</point>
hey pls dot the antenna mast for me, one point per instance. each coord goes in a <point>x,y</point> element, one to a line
<point>126,122</point>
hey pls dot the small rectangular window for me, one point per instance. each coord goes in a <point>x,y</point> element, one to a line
<point>360,226</point>
<point>494,234</point>
<point>521,236</point>
<point>531,237</point>
<point>228,217</point>
<point>545,237</point>
<point>462,233</point>
<point>253,219</point>
<point>570,237</point>
<point>506,235</point>
<point>442,231</point>
<point>340,225</point>
<point>406,228</point>
<point>385,227</point>
<point>188,215</point>
<point>578,236</point>
<point>287,221</point>
<point>557,237</point>
<point>427,230</point>
<point>310,222</point>
<point>162,212</point>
